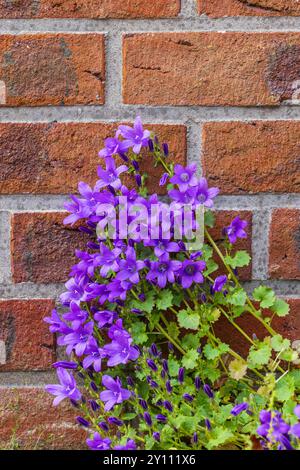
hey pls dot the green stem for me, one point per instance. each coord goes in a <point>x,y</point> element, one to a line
<point>252,310</point>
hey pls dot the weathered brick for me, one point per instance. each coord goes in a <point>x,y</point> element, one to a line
<point>237,69</point>
<point>53,158</point>
<point>288,326</point>
<point>89,9</point>
<point>217,9</point>
<point>266,151</point>
<point>223,219</point>
<point>42,247</point>
<point>25,341</point>
<point>285,244</point>
<point>28,421</point>
<point>52,69</point>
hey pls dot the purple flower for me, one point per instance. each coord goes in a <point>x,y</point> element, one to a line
<point>75,290</point>
<point>80,339</point>
<point>130,445</point>
<point>113,146</point>
<point>190,272</point>
<point>135,137</point>
<point>197,383</point>
<point>169,387</point>
<point>295,430</point>
<point>181,373</point>
<point>114,394</point>
<point>56,324</point>
<point>75,315</point>
<point>208,391</point>
<point>108,259</point>
<point>118,289</point>
<point>98,443</point>
<point>205,195</point>
<point>78,209</point>
<point>236,410</point>
<point>163,179</point>
<point>156,436</point>
<point>236,229</point>
<point>94,357</point>
<point>104,426</point>
<point>207,424</point>
<point>297,411</point>
<point>219,283</point>
<point>147,418</point>
<point>184,177</point>
<point>65,365</point>
<point>105,317</point>
<point>163,270</point>
<point>195,438</point>
<point>186,197</point>
<point>120,351</point>
<point>152,365</point>
<point>187,397</point>
<point>129,268</point>
<point>83,422</point>
<point>117,330</point>
<point>161,418</point>
<point>274,428</point>
<point>66,389</point>
<point>115,421</point>
<point>110,176</point>
<point>163,246</point>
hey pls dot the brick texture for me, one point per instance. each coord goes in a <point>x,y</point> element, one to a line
<point>53,158</point>
<point>217,8</point>
<point>223,219</point>
<point>26,343</point>
<point>52,69</point>
<point>285,244</point>
<point>42,247</point>
<point>89,9</point>
<point>28,421</point>
<point>288,326</point>
<point>235,69</point>
<point>267,152</point>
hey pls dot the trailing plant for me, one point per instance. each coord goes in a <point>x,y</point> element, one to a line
<point>146,367</point>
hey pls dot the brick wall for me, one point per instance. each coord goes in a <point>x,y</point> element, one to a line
<point>214,78</point>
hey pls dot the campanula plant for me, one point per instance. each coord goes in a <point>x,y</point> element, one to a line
<point>142,320</point>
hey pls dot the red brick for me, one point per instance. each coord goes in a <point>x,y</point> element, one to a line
<point>27,341</point>
<point>42,247</point>
<point>223,219</point>
<point>53,158</point>
<point>52,69</point>
<point>285,244</point>
<point>217,9</point>
<point>288,326</point>
<point>213,69</point>
<point>266,151</point>
<point>28,421</point>
<point>89,9</point>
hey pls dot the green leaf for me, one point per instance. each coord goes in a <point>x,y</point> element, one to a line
<point>211,267</point>
<point>259,354</point>
<point>173,330</point>
<point>190,341</point>
<point>146,306</point>
<point>280,307</point>
<point>138,332</point>
<point>264,295</point>
<point>237,369</point>
<point>189,321</point>
<point>218,436</point>
<point>209,218</point>
<point>240,259</point>
<point>173,367</point>
<point>285,388</point>
<point>279,344</point>
<point>190,359</point>
<point>210,352</point>
<point>165,299</point>
<point>237,298</point>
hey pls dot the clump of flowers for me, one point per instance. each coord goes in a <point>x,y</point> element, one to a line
<point>145,365</point>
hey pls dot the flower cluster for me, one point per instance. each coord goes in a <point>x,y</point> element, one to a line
<point>129,293</point>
